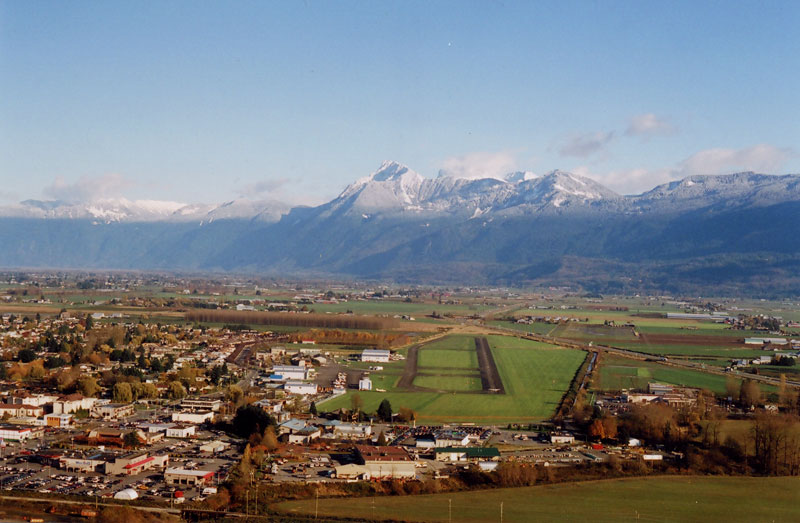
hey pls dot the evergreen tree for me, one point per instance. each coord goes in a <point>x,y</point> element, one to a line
<point>385,410</point>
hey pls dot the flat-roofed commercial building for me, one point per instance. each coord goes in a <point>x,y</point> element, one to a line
<point>58,420</point>
<point>192,417</point>
<point>185,477</point>
<point>113,411</point>
<point>386,462</point>
<point>19,432</point>
<point>377,355</point>
<point>134,463</point>
<point>202,404</point>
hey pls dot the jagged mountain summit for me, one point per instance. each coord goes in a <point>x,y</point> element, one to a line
<point>395,188</point>
<point>727,233</point>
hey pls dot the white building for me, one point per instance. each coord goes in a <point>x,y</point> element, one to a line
<point>58,420</point>
<point>560,438</point>
<point>201,404</point>
<point>214,447</point>
<point>181,431</point>
<point>19,432</point>
<point>178,477</point>
<point>365,384</point>
<point>300,387</point>
<point>192,417</point>
<point>352,430</point>
<point>376,355</point>
<point>113,411</point>
<point>291,372</point>
<point>73,403</point>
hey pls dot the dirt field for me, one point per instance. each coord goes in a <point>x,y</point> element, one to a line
<point>689,339</point>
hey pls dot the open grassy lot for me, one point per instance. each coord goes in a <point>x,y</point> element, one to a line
<point>451,352</point>
<point>545,329</point>
<point>463,343</point>
<point>592,332</point>
<point>664,499</point>
<point>449,383</point>
<point>432,358</point>
<point>616,373</point>
<point>535,376</point>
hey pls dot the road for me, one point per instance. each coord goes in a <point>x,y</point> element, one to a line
<point>51,501</point>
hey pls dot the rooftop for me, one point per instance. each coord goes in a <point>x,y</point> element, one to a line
<point>372,453</point>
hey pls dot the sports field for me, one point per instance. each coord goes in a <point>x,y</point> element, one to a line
<point>660,499</point>
<point>534,375</point>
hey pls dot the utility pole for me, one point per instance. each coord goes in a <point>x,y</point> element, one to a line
<point>501,512</point>
<point>316,504</point>
<point>247,502</point>
<point>449,510</point>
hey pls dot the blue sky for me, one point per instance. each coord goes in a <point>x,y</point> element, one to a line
<point>211,101</point>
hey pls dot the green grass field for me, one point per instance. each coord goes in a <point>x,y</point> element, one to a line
<point>449,383</point>
<point>660,499</point>
<point>458,342</point>
<point>535,376</point>
<point>616,373</point>
<point>454,352</point>
<point>432,358</point>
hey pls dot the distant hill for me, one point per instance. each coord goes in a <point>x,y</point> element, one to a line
<point>723,234</point>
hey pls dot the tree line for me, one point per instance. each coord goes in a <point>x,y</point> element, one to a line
<point>291,320</point>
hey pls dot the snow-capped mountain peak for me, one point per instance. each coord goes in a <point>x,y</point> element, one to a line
<point>393,185</point>
<point>520,176</point>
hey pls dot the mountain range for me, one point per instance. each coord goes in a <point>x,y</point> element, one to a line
<point>715,234</point>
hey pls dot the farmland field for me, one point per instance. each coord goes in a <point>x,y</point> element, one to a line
<point>649,499</point>
<point>616,373</point>
<point>535,376</point>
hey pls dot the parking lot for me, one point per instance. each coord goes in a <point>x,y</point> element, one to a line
<point>21,470</point>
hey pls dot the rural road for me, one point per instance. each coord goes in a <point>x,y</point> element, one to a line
<point>161,510</point>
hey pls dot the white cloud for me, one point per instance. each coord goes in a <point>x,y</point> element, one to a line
<point>270,186</point>
<point>629,181</point>
<point>88,188</point>
<point>479,165</point>
<point>584,145</point>
<point>762,158</point>
<point>648,125</point>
